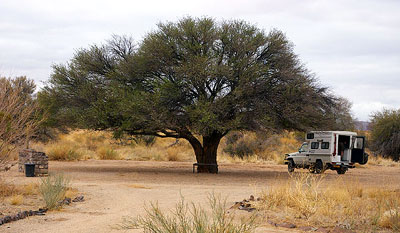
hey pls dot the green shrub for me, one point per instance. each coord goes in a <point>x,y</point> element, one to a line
<point>191,218</point>
<point>53,189</point>
<point>385,133</point>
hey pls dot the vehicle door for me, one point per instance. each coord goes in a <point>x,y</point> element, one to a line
<point>358,149</point>
<point>302,156</point>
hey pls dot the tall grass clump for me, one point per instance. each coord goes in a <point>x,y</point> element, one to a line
<point>107,153</point>
<point>64,152</point>
<point>52,189</point>
<point>191,218</point>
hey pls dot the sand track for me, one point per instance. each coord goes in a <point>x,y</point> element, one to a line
<point>114,189</point>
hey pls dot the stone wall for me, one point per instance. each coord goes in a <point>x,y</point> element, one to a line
<point>40,159</point>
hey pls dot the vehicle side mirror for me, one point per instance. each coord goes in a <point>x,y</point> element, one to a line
<point>299,151</point>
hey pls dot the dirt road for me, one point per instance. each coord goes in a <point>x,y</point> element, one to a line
<point>114,189</point>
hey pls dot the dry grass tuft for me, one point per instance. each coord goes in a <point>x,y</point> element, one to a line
<point>63,151</point>
<point>107,153</point>
<point>381,161</point>
<point>7,189</point>
<point>347,204</point>
<point>30,189</point>
<point>16,199</point>
<point>71,193</point>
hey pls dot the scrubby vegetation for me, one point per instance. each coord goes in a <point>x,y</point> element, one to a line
<point>249,146</point>
<point>87,144</point>
<point>53,189</point>
<point>189,217</point>
<point>312,200</point>
<point>236,147</point>
<point>385,133</point>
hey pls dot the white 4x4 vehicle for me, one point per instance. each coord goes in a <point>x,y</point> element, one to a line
<point>335,150</point>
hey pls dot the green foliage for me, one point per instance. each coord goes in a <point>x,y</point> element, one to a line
<point>191,218</point>
<point>385,133</point>
<point>52,189</point>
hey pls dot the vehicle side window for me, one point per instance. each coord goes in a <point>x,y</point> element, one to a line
<point>314,145</point>
<point>325,145</point>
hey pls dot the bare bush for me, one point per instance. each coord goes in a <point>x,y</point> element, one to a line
<point>18,115</point>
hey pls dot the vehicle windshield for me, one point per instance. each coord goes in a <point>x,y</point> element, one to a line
<point>303,147</point>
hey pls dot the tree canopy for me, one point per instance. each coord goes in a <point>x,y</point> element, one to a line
<point>196,79</point>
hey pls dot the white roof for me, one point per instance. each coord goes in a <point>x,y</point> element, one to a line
<point>336,132</point>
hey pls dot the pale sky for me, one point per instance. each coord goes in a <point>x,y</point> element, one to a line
<point>352,46</point>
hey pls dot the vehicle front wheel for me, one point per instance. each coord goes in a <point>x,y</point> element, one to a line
<point>319,167</point>
<point>291,166</point>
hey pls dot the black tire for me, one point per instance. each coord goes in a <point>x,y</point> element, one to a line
<point>291,166</point>
<point>319,167</point>
<point>341,170</point>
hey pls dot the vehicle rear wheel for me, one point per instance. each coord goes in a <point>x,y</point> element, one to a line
<point>319,167</point>
<point>341,170</point>
<point>291,166</point>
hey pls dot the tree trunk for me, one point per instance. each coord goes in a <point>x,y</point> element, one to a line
<point>206,154</point>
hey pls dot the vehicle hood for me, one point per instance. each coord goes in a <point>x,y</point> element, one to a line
<point>293,154</point>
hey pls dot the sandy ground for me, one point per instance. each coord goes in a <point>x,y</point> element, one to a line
<point>114,189</point>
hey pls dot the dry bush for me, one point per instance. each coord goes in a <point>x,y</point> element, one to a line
<point>253,147</point>
<point>19,115</point>
<point>63,151</point>
<point>191,218</point>
<point>16,199</point>
<point>107,153</point>
<point>348,204</point>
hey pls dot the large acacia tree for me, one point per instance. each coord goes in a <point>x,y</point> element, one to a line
<point>195,79</point>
